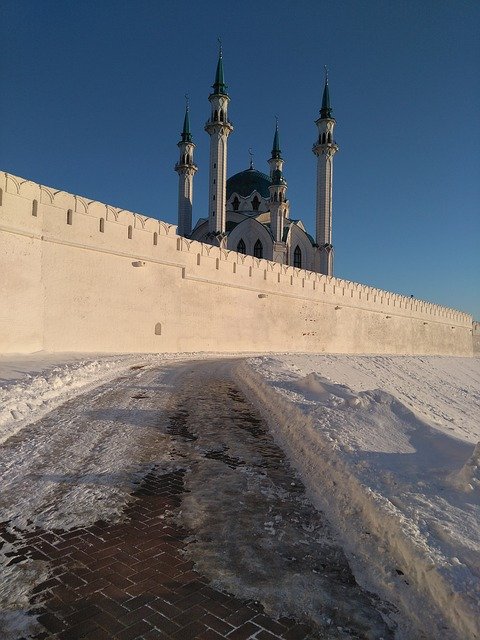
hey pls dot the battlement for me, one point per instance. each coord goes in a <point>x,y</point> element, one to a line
<point>84,235</point>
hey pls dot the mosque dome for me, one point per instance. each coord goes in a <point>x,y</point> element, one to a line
<point>248,181</point>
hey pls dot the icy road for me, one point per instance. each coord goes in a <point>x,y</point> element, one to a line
<point>159,504</point>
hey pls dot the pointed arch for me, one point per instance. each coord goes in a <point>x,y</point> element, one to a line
<point>258,249</point>
<point>297,257</point>
<point>241,248</point>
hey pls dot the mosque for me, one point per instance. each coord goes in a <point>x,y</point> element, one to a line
<point>249,212</point>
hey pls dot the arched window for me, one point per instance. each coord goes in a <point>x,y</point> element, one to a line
<point>130,231</point>
<point>241,248</point>
<point>330,137</point>
<point>34,208</point>
<point>215,116</point>
<point>297,257</point>
<point>69,216</point>
<point>258,249</point>
<point>255,203</point>
<point>275,196</point>
<point>155,238</point>
<point>102,225</point>
<point>323,138</point>
<point>221,115</point>
<point>235,203</point>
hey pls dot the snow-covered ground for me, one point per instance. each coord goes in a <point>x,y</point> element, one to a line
<point>32,385</point>
<point>386,446</point>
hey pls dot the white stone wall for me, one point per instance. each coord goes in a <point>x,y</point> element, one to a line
<point>476,338</point>
<point>137,286</point>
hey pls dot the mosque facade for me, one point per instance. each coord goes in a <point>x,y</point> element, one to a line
<point>249,212</point>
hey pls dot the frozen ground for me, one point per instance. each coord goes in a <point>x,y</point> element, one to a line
<point>386,445</point>
<point>32,385</point>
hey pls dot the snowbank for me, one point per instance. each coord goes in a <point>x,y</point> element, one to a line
<point>390,457</point>
<point>33,385</point>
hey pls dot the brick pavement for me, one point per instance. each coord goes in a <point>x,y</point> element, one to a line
<point>130,581</point>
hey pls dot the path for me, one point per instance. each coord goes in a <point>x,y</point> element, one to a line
<point>160,507</point>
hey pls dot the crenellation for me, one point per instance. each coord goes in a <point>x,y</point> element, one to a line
<point>103,242</point>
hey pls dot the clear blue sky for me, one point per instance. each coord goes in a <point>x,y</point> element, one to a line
<point>92,99</point>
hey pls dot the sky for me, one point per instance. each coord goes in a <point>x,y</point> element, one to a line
<point>92,102</point>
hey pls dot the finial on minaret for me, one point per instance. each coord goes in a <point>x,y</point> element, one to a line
<point>326,110</point>
<point>276,153</point>
<point>250,152</point>
<point>186,133</point>
<point>219,86</point>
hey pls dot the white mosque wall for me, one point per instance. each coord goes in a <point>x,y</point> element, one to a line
<point>78,275</point>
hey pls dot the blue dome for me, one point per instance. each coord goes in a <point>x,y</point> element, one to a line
<point>245,182</point>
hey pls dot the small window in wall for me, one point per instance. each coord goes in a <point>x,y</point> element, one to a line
<point>214,165</point>
<point>241,248</point>
<point>130,231</point>
<point>158,329</point>
<point>235,203</point>
<point>35,208</point>
<point>102,225</point>
<point>69,216</point>
<point>258,249</point>
<point>297,257</point>
<point>213,197</point>
<point>155,238</point>
<point>255,203</point>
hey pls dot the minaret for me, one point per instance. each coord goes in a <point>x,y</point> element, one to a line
<point>278,200</point>
<point>218,128</point>
<point>186,170</point>
<point>325,148</point>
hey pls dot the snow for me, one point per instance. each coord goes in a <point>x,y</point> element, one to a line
<point>386,446</point>
<point>32,385</point>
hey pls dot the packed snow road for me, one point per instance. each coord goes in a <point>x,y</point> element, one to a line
<point>91,466</point>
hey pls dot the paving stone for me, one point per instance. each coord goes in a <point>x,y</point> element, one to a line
<point>130,580</point>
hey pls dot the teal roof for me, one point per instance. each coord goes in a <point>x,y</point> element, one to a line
<point>245,182</point>
<point>326,110</point>
<point>186,133</point>
<point>219,86</point>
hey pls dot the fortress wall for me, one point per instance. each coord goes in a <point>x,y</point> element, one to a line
<point>476,338</point>
<point>79,275</point>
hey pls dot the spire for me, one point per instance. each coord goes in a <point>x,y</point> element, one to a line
<point>326,110</point>
<point>276,153</point>
<point>219,86</point>
<point>186,133</point>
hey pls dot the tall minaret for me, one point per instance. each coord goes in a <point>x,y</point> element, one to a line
<point>218,128</point>
<point>186,170</point>
<point>278,200</point>
<point>325,148</point>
